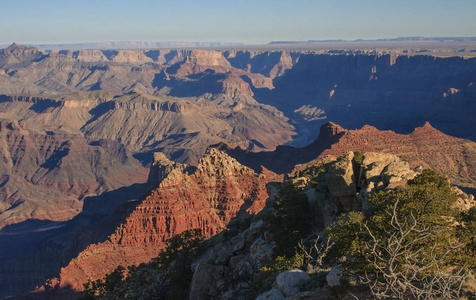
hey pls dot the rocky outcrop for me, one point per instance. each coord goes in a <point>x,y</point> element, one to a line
<point>230,264</point>
<point>218,190</point>
<point>226,269</point>
<point>234,87</point>
<point>87,55</point>
<point>199,61</point>
<point>425,147</point>
<point>387,169</point>
<point>161,168</point>
<point>17,55</point>
<point>340,176</point>
<point>344,184</point>
<point>268,63</point>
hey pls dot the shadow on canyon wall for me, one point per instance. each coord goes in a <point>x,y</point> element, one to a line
<point>35,250</point>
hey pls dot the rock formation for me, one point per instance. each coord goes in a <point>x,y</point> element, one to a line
<point>214,192</point>
<point>425,147</point>
<point>229,266</point>
<point>206,197</point>
<point>199,61</point>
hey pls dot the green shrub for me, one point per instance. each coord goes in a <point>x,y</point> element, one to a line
<point>177,257</point>
<point>172,263</point>
<point>358,157</point>
<point>282,263</point>
<point>466,232</point>
<point>408,241</point>
<point>291,222</point>
<point>107,284</point>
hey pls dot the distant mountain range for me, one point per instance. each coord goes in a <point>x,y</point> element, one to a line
<point>123,45</point>
<point>399,39</point>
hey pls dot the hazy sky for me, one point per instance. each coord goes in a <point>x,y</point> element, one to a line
<point>245,21</point>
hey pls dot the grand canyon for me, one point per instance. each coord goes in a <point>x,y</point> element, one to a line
<point>108,154</point>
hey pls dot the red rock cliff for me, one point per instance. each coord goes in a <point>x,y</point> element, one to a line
<point>218,190</point>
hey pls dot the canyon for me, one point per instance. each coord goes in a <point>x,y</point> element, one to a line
<point>222,186</point>
<point>108,153</point>
<point>220,189</point>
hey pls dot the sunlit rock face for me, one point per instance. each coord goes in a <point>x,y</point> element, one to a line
<point>207,196</point>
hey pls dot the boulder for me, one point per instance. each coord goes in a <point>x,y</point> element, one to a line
<point>334,276</point>
<point>385,171</point>
<point>289,282</point>
<point>374,163</point>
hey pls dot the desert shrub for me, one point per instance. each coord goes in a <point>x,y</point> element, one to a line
<point>315,252</point>
<point>282,263</point>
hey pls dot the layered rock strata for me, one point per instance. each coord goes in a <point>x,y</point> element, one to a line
<point>208,197</point>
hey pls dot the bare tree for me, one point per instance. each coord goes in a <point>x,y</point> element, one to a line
<point>316,253</point>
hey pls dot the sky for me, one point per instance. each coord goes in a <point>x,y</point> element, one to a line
<point>238,21</point>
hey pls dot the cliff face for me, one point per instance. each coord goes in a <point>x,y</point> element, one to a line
<point>61,136</point>
<point>352,88</point>
<point>183,130</point>
<point>396,92</point>
<point>425,147</point>
<point>205,197</point>
<point>199,61</point>
<point>271,64</point>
